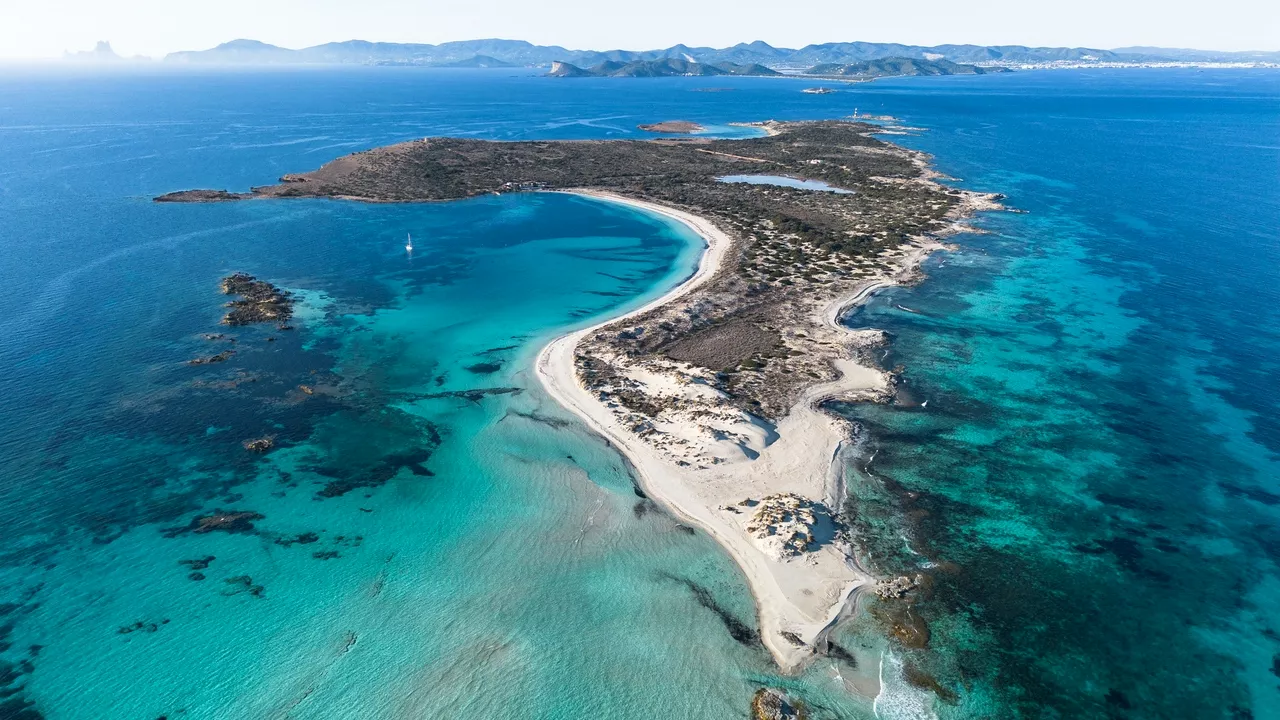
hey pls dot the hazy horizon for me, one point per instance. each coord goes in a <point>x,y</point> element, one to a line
<point>155,28</point>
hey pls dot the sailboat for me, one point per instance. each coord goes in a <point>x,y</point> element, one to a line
<point>408,246</point>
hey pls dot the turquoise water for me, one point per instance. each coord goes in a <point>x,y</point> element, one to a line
<point>783,181</point>
<point>1092,483</point>
<point>422,549</point>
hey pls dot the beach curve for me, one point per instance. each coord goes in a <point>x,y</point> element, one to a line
<point>784,593</point>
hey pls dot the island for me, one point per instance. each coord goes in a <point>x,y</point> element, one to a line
<point>716,391</point>
<point>672,126</point>
<point>666,67</point>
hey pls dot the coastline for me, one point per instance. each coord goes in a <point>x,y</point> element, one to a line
<point>777,609</point>
<point>801,597</point>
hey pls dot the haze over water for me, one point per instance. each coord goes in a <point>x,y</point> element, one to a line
<point>1095,470</point>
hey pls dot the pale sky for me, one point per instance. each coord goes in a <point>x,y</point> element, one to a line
<point>45,28</point>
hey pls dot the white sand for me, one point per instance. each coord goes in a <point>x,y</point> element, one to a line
<point>801,594</point>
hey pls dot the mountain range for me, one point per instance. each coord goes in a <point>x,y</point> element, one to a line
<point>670,67</point>
<point>497,53</point>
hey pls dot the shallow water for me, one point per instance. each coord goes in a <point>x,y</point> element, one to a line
<point>1094,369</point>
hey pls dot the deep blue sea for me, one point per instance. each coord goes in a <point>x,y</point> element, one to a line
<point>1093,485</point>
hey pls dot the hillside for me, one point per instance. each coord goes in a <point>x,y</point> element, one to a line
<point>898,66</point>
<point>479,61</point>
<point>669,67</point>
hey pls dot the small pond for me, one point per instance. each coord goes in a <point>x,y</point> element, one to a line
<point>784,181</point>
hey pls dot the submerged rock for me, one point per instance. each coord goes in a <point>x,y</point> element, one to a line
<point>243,584</point>
<point>141,626</point>
<point>230,521</point>
<point>925,681</point>
<point>220,357</point>
<point>260,445</point>
<point>305,538</point>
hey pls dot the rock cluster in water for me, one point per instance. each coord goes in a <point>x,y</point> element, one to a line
<point>260,301</point>
<point>220,357</point>
<point>897,587</point>
<point>770,704</point>
<point>784,523</point>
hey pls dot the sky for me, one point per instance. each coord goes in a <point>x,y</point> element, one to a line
<point>47,28</point>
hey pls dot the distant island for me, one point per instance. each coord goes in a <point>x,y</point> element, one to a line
<point>493,53</point>
<point>102,53</point>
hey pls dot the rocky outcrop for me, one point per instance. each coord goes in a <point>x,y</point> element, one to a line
<point>897,588</point>
<point>770,704</point>
<point>260,301</point>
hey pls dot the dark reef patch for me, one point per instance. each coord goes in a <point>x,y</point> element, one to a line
<point>143,626</point>
<point>1255,494</point>
<point>475,395</point>
<point>377,475</point>
<point>228,521</point>
<point>198,563</point>
<point>243,584</point>
<point>305,538</point>
<point>549,421</point>
<point>738,630</point>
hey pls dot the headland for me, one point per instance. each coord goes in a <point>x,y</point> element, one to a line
<point>714,392</point>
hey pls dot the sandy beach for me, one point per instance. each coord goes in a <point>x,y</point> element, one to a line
<point>797,597</point>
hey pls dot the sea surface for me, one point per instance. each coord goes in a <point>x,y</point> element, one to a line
<point>1083,459</point>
